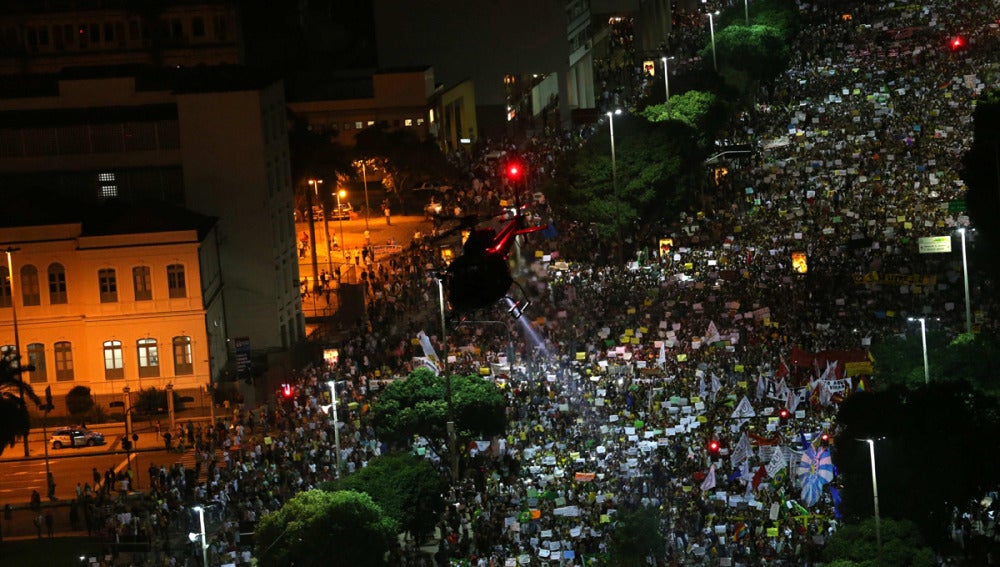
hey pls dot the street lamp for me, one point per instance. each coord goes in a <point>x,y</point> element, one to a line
<point>443,360</point>
<point>336,424</point>
<point>614,168</point>
<point>17,338</point>
<point>965,275</point>
<point>878,521</point>
<point>746,11</point>
<point>340,215</point>
<point>711,31</point>
<point>666,78</point>
<point>364,181</point>
<point>194,536</point>
<point>315,183</point>
<point>923,343</point>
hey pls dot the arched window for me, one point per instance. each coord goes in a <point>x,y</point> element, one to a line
<point>108,281</point>
<point>30,292</point>
<point>63,351</point>
<point>36,358</point>
<point>143,283</point>
<point>148,355</point>
<point>114,364</point>
<point>176,283</point>
<point>57,284</point>
<point>5,300</point>
<point>183,359</point>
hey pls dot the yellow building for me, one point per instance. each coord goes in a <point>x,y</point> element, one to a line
<point>125,297</point>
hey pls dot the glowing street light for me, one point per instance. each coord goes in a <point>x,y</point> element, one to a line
<point>340,215</point>
<point>666,77</point>
<point>614,168</point>
<point>878,521</point>
<point>965,274</point>
<point>336,425</point>
<point>17,338</point>
<point>194,536</point>
<point>923,343</point>
<point>711,31</point>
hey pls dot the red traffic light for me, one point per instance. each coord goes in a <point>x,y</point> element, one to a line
<point>286,390</point>
<point>514,171</point>
<point>784,413</point>
<point>713,447</point>
<point>825,439</point>
<point>958,42</point>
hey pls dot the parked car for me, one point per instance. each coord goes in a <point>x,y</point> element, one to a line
<point>76,437</point>
<point>344,213</point>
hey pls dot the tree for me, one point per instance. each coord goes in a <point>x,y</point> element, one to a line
<point>970,357</point>
<point>659,171</point>
<point>15,421</point>
<point>857,545</point>
<point>79,401</point>
<point>313,156</point>
<point>761,51</point>
<point>329,529</point>
<point>636,535</point>
<point>406,487</point>
<point>702,111</point>
<point>152,401</point>
<point>402,156</point>
<point>932,452</point>
<point>417,406</point>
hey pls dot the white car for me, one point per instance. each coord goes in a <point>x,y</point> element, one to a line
<point>76,437</point>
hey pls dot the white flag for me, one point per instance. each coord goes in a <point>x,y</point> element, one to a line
<point>744,410</point>
<point>741,452</point>
<point>427,347</point>
<point>776,463</point>
<point>712,334</point>
<point>709,482</point>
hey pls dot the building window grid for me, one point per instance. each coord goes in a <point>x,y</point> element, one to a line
<point>63,354</point>
<point>148,355</point>
<point>109,285</point>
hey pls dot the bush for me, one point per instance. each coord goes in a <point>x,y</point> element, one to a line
<point>79,401</point>
<point>153,401</point>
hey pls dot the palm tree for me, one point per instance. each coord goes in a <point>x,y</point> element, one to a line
<point>15,422</point>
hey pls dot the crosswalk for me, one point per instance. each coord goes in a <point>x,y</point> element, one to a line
<point>189,459</point>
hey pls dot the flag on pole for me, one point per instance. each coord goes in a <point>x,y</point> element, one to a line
<point>716,385</point>
<point>709,482</point>
<point>662,359</point>
<point>761,386</point>
<point>712,334</point>
<point>758,477</point>
<point>782,370</point>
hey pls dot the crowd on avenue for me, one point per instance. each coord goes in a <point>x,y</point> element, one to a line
<point>630,371</point>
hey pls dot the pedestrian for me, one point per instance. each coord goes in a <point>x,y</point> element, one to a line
<point>39,519</point>
<point>97,477</point>
<point>50,523</point>
<point>386,212</point>
<point>50,482</point>
<point>166,440</point>
<point>36,500</point>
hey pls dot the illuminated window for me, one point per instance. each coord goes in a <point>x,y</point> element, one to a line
<point>358,125</point>
<point>107,188</point>
<point>57,284</point>
<point>109,285</point>
<point>30,293</point>
<point>420,121</point>
<point>63,351</point>
<point>408,122</point>
<point>114,366</point>
<point>371,122</point>
<point>36,358</point>
<point>149,358</point>
<point>142,282</point>
<point>175,281</point>
<point>183,360</point>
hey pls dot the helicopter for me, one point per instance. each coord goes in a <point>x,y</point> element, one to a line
<point>480,276</point>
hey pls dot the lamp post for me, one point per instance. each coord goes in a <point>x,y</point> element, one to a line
<point>315,183</point>
<point>614,167</point>
<point>965,277</point>
<point>340,215</point>
<point>450,425</point>
<point>711,31</point>
<point>923,343</point>
<point>204,542</point>
<point>746,11</point>
<point>17,337</point>
<point>666,79</point>
<point>336,424</point>
<point>364,182</point>
<point>878,521</point>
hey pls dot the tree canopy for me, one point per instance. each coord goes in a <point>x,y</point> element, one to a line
<point>402,156</point>
<point>930,452</point>
<point>970,357</point>
<point>856,545</point>
<point>702,111</point>
<point>406,487</point>
<point>659,170</point>
<point>761,51</point>
<point>636,535</point>
<point>15,421</point>
<point>330,529</point>
<point>418,406</point>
